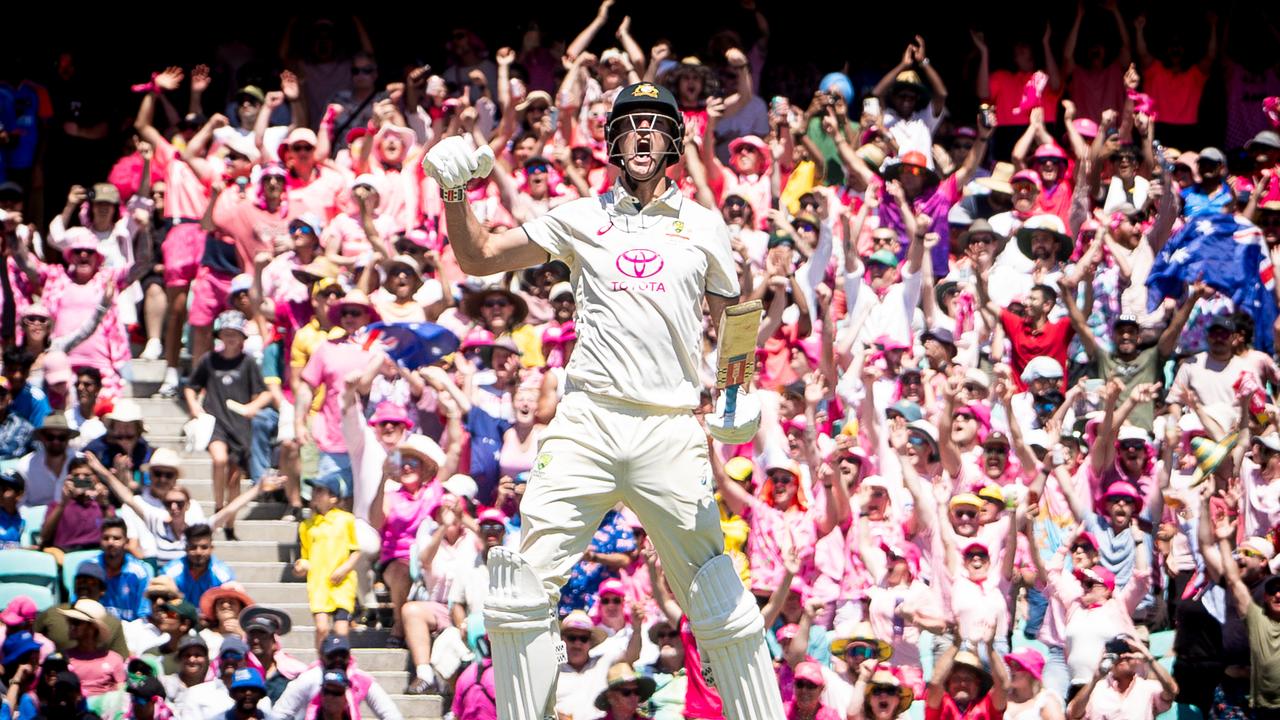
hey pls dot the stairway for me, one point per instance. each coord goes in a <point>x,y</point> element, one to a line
<point>263,555</point>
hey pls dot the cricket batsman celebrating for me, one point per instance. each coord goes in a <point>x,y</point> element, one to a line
<point>643,258</point>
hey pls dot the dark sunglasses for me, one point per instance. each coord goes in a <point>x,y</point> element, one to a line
<point>965,513</point>
<point>806,685</point>
<point>860,651</point>
<point>301,147</point>
<point>806,227</point>
<point>884,690</point>
<point>175,503</point>
<point>627,691</point>
<point>354,312</point>
<point>56,437</point>
<point>34,319</point>
<point>1133,445</point>
<point>611,600</point>
<point>1081,547</point>
<point>782,478</point>
<point>535,169</point>
<point>972,555</point>
<point>366,70</point>
<point>497,303</point>
<point>577,638</point>
<point>164,474</point>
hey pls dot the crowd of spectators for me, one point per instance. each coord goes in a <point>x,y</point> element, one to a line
<point>1013,462</point>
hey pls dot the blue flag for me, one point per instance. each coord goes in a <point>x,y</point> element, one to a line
<point>1231,256</point>
<point>413,345</point>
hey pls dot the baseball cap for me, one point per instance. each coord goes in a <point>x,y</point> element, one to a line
<point>1213,155</point>
<point>1097,573</point>
<point>883,257</point>
<point>739,468</point>
<point>233,644</point>
<point>333,644</point>
<point>331,482</point>
<point>1124,319</point>
<point>192,641</point>
<point>1223,321</point>
<point>248,678</point>
<point>146,687</point>
<point>232,320</point>
<point>17,645</point>
<point>1041,366</point>
<point>13,479</point>
<point>240,283</point>
<point>910,411</point>
<point>91,568</point>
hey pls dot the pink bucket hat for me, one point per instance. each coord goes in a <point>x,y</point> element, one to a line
<point>80,238</point>
<point>756,144</point>
<point>388,412</point>
<point>612,586</point>
<point>1027,659</point>
<point>1050,151</point>
<point>1123,489</point>
<point>21,609</point>
<point>1097,573</point>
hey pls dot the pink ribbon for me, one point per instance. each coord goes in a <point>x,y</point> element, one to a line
<point>146,87</point>
<point>1142,103</point>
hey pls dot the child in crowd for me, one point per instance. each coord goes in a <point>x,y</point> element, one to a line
<point>329,554</point>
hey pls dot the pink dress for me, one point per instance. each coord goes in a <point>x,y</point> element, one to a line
<point>73,305</point>
<point>771,531</point>
<point>404,515</point>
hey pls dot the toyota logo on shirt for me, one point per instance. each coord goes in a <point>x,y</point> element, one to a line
<point>639,263</point>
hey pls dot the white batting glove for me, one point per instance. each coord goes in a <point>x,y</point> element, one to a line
<point>746,420</point>
<point>453,163</point>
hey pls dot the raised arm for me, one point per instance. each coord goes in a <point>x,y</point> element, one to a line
<point>1078,321</point>
<point>983,86</point>
<point>977,153</point>
<point>1236,588</point>
<point>1050,59</point>
<point>1140,41</point>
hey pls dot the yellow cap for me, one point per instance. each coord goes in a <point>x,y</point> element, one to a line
<point>966,499</point>
<point>992,493</point>
<point>739,468</point>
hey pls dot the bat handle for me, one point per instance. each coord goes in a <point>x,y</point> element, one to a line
<point>730,404</point>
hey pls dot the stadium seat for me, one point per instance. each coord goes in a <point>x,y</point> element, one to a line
<point>43,598</point>
<point>71,563</point>
<point>29,566</point>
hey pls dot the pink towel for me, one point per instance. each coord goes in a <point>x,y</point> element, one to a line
<point>1032,92</point>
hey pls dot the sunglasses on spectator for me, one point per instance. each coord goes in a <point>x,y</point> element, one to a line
<point>627,691</point>
<point>497,303</point>
<point>884,690</point>
<point>304,230</point>
<point>1248,552</point>
<point>576,638</point>
<point>735,202</point>
<point>163,474</point>
<point>611,600</point>
<point>973,387</point>
<point>1081,547</point>
<point>977,555</point>
<point>806,685</point>
<point>667,634</point>
<point>175,503</point>
<point>861,651</point>
<point>782,478</point>
<point>1133,445</point>
<point>301,147</point>
<point>535,169</point>
<point>139,700</point>
<point>965,513</point>
<point>232,655</point>
<point>806,227</point>
<point>365,70</point>
<point>354,312</point>
<point>490,528</point>
<point>56,437</point>
<point>34,319</point>
<point>916,440</point>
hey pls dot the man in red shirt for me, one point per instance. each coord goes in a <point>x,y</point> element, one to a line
<point>962,689</point>
<point>1032,333</point>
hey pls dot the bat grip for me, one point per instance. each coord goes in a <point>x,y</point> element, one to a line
<point>730,404</point>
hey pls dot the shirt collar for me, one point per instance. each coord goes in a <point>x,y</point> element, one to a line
<point>625,203</point>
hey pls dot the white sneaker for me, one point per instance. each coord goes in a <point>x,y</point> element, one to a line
<point>168,390</point>
<point>153,350</point>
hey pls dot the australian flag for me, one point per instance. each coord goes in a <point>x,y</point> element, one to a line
<point>1231,256</point>
<point>412,345</point>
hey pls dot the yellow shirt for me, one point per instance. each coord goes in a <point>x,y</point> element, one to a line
<point>735,531</point>
<point>529,340</point>
<point>327,541</point>
<point>305,342</point>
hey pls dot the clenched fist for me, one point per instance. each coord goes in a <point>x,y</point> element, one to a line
<point>453,163</point>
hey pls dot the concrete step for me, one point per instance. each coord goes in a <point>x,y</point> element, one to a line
<point>263,572</point>
<point>414,707</point>
<point>281,531</point>
<point>145,377</point>
<point>275,593</point>
<point>248,551</point>
<point>255,511</point>
<point>303,636</point>
<point>368,659</point>
<point>162,413</point>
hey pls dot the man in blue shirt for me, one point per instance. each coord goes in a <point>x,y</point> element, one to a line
<point>15,431</point>
<point>1211,194</point>
<point>612,548</point>
<point>127,576</point>
<point>27,400</point>
<point>199,570</point>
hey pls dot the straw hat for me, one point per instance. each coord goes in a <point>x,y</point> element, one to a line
<point>90,611</point>
<point>622,674</point>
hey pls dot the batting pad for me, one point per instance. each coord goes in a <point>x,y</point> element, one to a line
<point>730,633</point>
<point>523,639</point>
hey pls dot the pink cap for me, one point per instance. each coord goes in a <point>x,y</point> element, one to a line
<point>1097,573</point>
<point>756,144</point>
<point>553,335</point>
<point>477,337</point>
<point>1086,536</point>
<point>978,412</point>
<point>36,310</point>
<point>1028,659</point>
<point>1028,175</point>
<point>1085,127</point>
<point>21,609</point>
<point>388,412</point>
<point>612,586</point>
<point>810,671</point>
<point>888,343</point>
<point>976,546</point>
<point>577,620</point>
<point>1050,151</point>
<point>493,515</point>
<point>57,368</point>
<point>907,552</point>
<point>786,632</point>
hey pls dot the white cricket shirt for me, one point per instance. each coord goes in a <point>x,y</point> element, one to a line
<point>638,276</point>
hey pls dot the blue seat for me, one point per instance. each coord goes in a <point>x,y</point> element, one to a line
<point>33,516</point>
<point>71,563</point>
<point>29,566</point>
<point>44,599</point>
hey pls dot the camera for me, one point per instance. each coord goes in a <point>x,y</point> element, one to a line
<point>1117,646</point>
<point>988,115</point>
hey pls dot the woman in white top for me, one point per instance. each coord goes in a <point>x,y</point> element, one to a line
<point>1028,698</point>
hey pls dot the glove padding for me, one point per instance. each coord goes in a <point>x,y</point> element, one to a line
<point>746,420</point>
<point>453,163</point>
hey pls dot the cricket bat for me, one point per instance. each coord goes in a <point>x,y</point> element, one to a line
<point>736,360</point>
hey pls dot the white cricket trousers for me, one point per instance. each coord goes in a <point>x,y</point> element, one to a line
<point>598,451</point>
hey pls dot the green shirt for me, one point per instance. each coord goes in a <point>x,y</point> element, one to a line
<point>1144,368</point>
<point>1264,658</point>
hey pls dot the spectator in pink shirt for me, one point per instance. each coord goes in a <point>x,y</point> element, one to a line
<point>330,365</point>
<point>807,703</point>
<point>962,689</point>
<point>1116,690</point>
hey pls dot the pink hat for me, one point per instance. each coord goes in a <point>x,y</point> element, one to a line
<point>477,337</point>
<point>978,412</point>
<point>786,632</point>
<point>888,343</point>
<point>560,335</point>
<point>1086,127</point>
<point>1086,536</point>
<point>1121,489</point>
<point>57,368</point>
<point>1097,573</point>
<point>1030,176</point>
<point>1028,659</point>
<point>492,515</point>
<point>297,135</point>
<point>810,671</point>
<point>21,609</point>
<point>756,144</point>
<point>973,546</point>
<point>1050,151</point>
<point>36,310</point>
<point>388,412</point>
<point>79,238</point>
<point>907,552</point>
<point>612,586</point>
